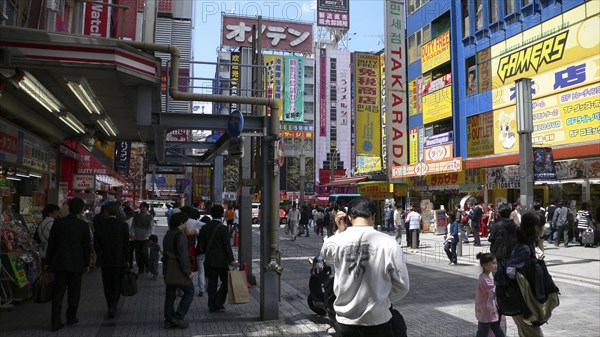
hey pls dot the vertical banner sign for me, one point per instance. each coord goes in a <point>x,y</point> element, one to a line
<point>322,93</point>
<point>96,19</point>
<point>543,165</point>
<point>234,78</point>
<point>414,146</point>
<point>293,100</point>
<point>368,119</point>
<point>382,103</point>
<point>274,84</point>
<point>343,84</point>
<point>396,85</point>
<point>332,102</point>
<point>122,157</point>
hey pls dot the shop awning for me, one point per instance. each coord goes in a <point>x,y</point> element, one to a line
<point>346,181</point>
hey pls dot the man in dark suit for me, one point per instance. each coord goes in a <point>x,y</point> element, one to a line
<point>213,240</point>
<point>475,215</point>
<point>68,256</point>
<point>111,241</point>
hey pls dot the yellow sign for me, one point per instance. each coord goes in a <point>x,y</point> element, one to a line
<point>366,164</point>
<point>435,52</point>
<point>413,139</point>
<point>375,187</point>
<point>274,83</point>
<point>437,105</point>
<point>107,148</point>
<point>562,40</point>
<point>480,135</point>
<point>368,97</point>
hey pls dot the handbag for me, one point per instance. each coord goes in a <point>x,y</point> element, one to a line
<point>237,287</point>
<point>398,323</point>
<point>129,284</point>
<point>173,274</point>
<point>43,288</point>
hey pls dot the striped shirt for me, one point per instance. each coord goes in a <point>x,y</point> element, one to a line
<point>582,219</point>
<point>414,220</point>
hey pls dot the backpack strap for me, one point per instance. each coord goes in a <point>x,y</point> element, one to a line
<point>212,236</point>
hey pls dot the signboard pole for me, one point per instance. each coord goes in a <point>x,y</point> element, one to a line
<point>525,129</point>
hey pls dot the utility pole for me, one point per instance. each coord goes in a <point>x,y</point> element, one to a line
<point>525,129</point>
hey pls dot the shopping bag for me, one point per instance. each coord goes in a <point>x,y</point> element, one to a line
<point>173,275</point>
<point>43,288</point>
<point>237,287</point>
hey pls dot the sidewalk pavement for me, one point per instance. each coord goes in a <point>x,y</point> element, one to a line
<point>440,302</point>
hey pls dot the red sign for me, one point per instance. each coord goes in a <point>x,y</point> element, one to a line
<point>95,20</point>
<point>325,175</point>
<point>8,143</point>
<point>130,19</point>
<point>275,34</point>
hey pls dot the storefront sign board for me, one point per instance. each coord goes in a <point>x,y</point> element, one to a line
<point>333,13</point>
<point>435,52</point>
<point>439,139</point>
<point>438,152</point>
<point>375,187</point>
<point>414,145</point>
<point>368,164</point>
<point>421,169</point>
<point>480,135</point>
<point>368,96</point>
<point>83,182</point>
<point>9,142</point>
<point>437,105</point>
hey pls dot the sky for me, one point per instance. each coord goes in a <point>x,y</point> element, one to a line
<point>366,24</point>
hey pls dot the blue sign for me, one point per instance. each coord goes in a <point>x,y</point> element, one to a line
<point>439,139</point>
<point>235,125</point>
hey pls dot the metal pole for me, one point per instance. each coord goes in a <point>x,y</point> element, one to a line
<point>525,129</point>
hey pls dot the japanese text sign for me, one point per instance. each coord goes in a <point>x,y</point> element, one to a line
<point>435,52</point>
<point>9,143</point>
<point>396,84</point>
<point>274,83</point>
<point>293,100</point>
<point>368,96</point>
<point>333,13</point>
<point>422,169</point>
<point>414,145</point>
<point>275,34</point>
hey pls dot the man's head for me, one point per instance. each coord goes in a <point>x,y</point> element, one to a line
<point>457,206</point>
<point>517,206</point>
<point>51,210</point>
<point>144,207</point>
<point>362,207</point>
<point>504,209</point>
<point>76,206</point>
<point>178,219</point>
<point>217,212</point>
<point>112,209</point>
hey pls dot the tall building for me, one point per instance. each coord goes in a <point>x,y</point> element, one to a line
<point>464,58</point>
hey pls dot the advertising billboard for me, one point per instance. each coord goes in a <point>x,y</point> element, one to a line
<point>480,135</point>
<point>368,120</point>
<point>274,83</point>
<point>365,164</point>
<point>293,99</point>
<point>236,31</point>
<point>396,84</point>
<point>437,105</point>
<point>333,13</point>
<point>435,52</point>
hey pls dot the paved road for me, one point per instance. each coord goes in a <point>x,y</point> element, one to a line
<point>440,302</point>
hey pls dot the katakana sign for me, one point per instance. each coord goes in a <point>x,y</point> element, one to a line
<point>275,34</point>
<point>333,13</point>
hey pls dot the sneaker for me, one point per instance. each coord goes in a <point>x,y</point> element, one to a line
<point>179,323</point>
<point>416,251</point>
<point>450,263</point>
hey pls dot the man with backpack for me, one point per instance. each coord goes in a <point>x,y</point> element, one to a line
<point>475,215</point>
<point>502,233</point>
<point>560,219</point>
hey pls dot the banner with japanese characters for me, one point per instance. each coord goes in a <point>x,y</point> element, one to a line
<point>293,99</point>
<point>236,31</point>
<point>9,142</point>
<point>274,83</point>
<point>368,120</point>
<point>333,13</point>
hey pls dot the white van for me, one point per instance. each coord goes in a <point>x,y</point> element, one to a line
<point>255,212</point>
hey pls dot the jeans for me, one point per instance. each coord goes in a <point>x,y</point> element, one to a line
<point>293,229</point>
<point>409,238</point>
<point>112,278</point>
<point>389,224</point>
<point>216,298</point>
<point>399,234</point>
<point>450,248</point>
<point>64,280</point>
<point>141,255</point>
<point>303,229</point>
<point>184,303</point>
<point>562,231</point>
<point>381,330</point>
<point>201,275</point>
<point>465,237</point>
<point>476,238</point>
<point>484,328</point>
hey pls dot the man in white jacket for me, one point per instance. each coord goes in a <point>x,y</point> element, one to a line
<point>370,274</point>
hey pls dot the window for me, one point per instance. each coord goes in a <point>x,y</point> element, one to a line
<point>414,5</point>
<point>309,72</point>
<point>471,76</point>
<point>309,107</point>
<point>412,49</point>
<point>493,11</point>
<point>466,18</point>
<point>309,89</point>
<point>526,2</point>
<point>478,15</point>
<point>509,6</point>
<point>415,41</point>
<point>426,34</point>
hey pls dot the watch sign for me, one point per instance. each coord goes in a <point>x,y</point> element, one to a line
<point>96,19</point>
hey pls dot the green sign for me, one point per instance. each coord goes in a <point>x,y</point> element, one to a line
<point>293,98</point>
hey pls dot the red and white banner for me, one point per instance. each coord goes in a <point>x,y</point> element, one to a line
<point>83,182</point>
<point>96,19</point>
<point>396,86</point>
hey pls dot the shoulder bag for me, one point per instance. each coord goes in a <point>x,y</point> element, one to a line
<point>173,274</point>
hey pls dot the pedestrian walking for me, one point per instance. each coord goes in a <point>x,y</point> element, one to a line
<point>451,238</point>
<point>370,271</point>
<point>561,219</point>
<point>399,223</point>
<point>68,256</point>
<point>293,221</point>
<point>414,226</point>
<point>214,240</point>
<point>202,282</point>
<point>486,310</point>
<point>502,234</point>
<point>129,214</point>
<point>155,252</point>
<point>236,221</point>
<point>475,216</point>
<point>229,215</point>
<point>304,213</point>
<point>516,213</point>
<point>549,218</point>
<point>142,227</point>
<point>320,221</point>
<point>111,242</point>
<point>389,218</point>
<point>331,221</point>
<point>175,244</point>
<point>50,213</point>
<point>584,221</point>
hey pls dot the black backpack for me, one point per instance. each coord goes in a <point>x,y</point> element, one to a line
<point>502,246</point>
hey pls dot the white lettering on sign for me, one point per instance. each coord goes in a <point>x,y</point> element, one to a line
<point>275,33</point>
<point>95,22</point>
